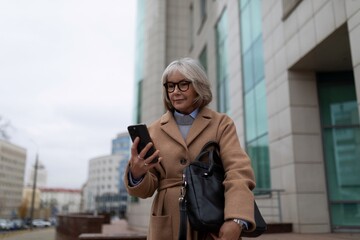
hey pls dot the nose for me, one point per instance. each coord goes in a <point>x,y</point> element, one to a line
<point>176,88</point>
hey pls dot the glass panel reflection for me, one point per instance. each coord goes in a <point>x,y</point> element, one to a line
<point>342,154</point>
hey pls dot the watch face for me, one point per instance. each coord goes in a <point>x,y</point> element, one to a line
<point>238,221</point>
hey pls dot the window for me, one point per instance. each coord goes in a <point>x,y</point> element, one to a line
<point>254,91</point>
<point>203,9</point>
<point>139,56</point>
<point>203,58</point>
<point>222,64</point>
<point>202,13</point>
<point>340,124</point>
<point>191,27</point>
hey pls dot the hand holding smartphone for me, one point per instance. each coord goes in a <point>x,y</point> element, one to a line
<point>141,131</point>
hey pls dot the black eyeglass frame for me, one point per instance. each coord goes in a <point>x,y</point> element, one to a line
<point>183,86</point>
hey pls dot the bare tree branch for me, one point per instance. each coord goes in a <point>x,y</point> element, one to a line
<point>4,125</point>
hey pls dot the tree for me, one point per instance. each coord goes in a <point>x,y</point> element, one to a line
<point>4,125</point>
<point>22,210</point>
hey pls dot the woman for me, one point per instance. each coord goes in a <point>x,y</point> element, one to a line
<point>186,93</point>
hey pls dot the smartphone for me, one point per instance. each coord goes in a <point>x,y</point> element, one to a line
<point>141,131</point>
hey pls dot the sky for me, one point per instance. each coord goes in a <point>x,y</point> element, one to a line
<point>66,81</point>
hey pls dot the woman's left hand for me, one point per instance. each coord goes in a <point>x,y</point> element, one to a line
<point>230,230</point>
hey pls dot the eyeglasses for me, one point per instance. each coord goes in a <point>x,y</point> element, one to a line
<point>183,86</point>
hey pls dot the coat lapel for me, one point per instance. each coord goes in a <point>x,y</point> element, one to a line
<point>169,126</point>
<point>199,125</point>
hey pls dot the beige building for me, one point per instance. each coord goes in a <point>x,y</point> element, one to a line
<point>31,202</point>
<point>12,173</point>
<point>60,200</point>
<point>288,73</point>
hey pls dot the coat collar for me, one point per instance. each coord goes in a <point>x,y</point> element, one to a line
<point>169,126</point>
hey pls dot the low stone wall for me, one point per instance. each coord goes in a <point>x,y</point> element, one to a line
<point>71,226</point>
<point>279,228</point>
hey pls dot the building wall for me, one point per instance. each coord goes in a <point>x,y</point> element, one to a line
<point>297,161</point>
<point>12,172</point>
<point>293,126</point>
<point>353,20</point>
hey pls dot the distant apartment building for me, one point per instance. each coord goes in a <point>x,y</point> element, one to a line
<point>12,172</point>
<point>288,74</point>
<point>60,200</point>
<point>101,192</point>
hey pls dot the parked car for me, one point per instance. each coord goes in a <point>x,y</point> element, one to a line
<point>40,223</point>
<point>5,225</point>
<point>53,221</point>
<point>17,224</point>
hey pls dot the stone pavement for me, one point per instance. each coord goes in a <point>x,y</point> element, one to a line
<point>121,226</point>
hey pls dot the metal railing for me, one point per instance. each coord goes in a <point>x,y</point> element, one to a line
<point>271,208</point>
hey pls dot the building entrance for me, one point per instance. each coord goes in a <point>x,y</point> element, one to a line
<point>341,144</point>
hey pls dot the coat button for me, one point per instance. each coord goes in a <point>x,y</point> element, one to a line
<point>183,161</point>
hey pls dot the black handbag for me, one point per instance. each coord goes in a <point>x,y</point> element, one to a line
<point>202,195</point>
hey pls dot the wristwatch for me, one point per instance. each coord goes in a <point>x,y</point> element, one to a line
<point>239,222</point>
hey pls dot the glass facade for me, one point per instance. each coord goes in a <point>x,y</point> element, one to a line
<point>222,64</point>
<point>341,140</point>
<point>254,92</point>
<point>121,144</point>
<point>139,56</point>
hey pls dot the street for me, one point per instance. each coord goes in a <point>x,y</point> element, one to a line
<point>37,234</point>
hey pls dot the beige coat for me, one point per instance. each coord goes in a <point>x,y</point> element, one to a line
<point>176,154</point>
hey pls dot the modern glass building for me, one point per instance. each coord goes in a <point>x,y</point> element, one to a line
<point>288,73</point>
<point>120,145</point>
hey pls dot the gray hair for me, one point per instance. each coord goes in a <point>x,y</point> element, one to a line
<point>194,72</point>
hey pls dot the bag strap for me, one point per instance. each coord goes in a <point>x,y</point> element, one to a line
<point>183,220</point>
<point>210,144</point>
<point>212,150</point>
<point>183,213</point>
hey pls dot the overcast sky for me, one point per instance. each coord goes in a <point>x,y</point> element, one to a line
<point>66,80</point>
